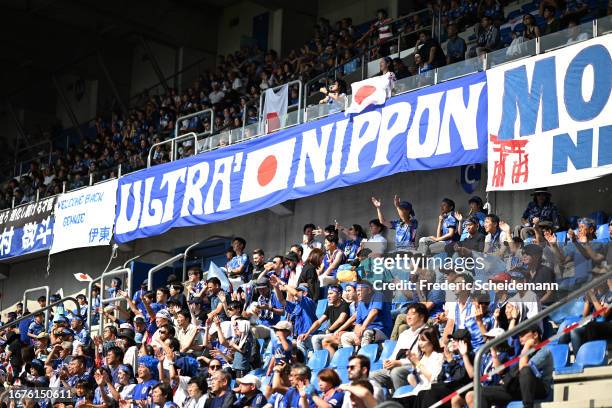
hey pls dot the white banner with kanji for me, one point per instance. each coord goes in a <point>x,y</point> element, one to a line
<point>550,118</point>
<point>85,217</point>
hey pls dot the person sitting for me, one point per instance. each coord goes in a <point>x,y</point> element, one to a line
<point>335,96</point>
<point>405,227</point>
<point>540,209</point>
<point>446,232</point>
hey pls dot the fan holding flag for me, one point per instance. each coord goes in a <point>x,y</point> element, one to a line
<point>375,90</point>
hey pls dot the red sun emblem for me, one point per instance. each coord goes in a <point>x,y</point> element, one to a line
<point>267,170</point>
<point>363,93</point>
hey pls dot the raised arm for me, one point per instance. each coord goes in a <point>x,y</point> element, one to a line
<point>377,204</point>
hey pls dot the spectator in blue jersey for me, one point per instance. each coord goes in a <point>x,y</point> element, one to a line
<point>219,394</point>
<point>195,284</point>
<point>476,210</point>
<point>81,309</point>
<point>351,245</point>
<point>161,396</point>
<point>331,396</point>
<point>282,345</point>
<point>147,379</point>
<point>541,209</point>
<point>372,319</point>
<point>75,371</point>
<point>238,268</point>
<point>334,257</point>
<point>214,298</point>
<point>81,334</point>
<point>37,326</point>
<point>113,291</point>
<point>405,227</point>
<point>528,380</point>
<point>301,310</point>
<point>251,397</point>
<point>461,314</point>
<point>161,298</point>
<point>301,391</point>
<point>267,309</point>
<point>95,304</point>
<point>446,232</point>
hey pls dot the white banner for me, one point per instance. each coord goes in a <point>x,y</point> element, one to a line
<point>550,118</point>
<point>85,218</point>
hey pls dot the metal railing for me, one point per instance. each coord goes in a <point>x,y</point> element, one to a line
<point>526,324</point>
<point>196,244</point>
<point>45,309</point>
<point>173,145</point>
<point>90,299</point>
<point>263,122</point>
<point>37,289</point>
<point>195,115</point>
<point>105,301</point>
<point>161,266</point>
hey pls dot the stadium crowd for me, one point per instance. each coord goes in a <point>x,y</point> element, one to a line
<point>233,88</point>
<point>320,325</point>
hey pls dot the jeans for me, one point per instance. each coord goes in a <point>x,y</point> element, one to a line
<point>531,388</point>
<point>393,379</point>
<point>369,336</point>
<point>428,246</point>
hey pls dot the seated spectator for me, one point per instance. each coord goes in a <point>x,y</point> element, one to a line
<point>400,69</point>
<point>531,30</point>
<point>541,208</point>
<point>575,9</point>
<point>462,314</point>
<point>552,23</point>
<point>521,381</point>
<point>574,33</point>
<point>473,241</point>
<point>331,395</point>
<point>446,232</point>
<point>523,305</point>
<point>405,228</point>
<point>266,310</point>
<point>336,95</point>
<point>334,257</point>
<point>487,39</point>
<point>430,51</point>
<point>422,67</point>
<point>372,318</point>
<point>455,46</point>
<point>248,388</point>
<point>220,395</point>
<point>536,272</point>
<point>359,370</point>
<point>396,369</point>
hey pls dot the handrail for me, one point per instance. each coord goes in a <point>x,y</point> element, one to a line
<point>90,287</point>
<point>44,309</point>
<point>39,288</point>
<point>193,115</point>
<point>103,300</point>
<point>151,251</point>
<point>162,265</point>
<point>195,244</point>
<point>172,141</point>
<point>526,324</point>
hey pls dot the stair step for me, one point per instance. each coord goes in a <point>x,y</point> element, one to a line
<point>586,403</point>
<point>578,391</point>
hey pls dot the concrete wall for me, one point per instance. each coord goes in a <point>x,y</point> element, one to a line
<point>275,234</point>
<point>82,96</point>
<point>360,10</point>
<point>236,23</point>
<point>143,75</point>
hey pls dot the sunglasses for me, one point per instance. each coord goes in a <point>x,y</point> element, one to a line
<point>214,367</point>
<point>352,367</point>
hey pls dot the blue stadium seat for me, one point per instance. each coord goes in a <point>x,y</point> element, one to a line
<point>519,27</point>
<point>341,357</point>
<point>387,349</point>
<point>566,322</point>
<point>514,14</point>
<point>560,354</point>
<point>528,8</point>
<point>515,404</point>
<point>591,354</point>
<point>402,390</point>
<point>370,351</point>
<point>343,374</point>
<point>569,310</point>
<point>602,231</point>
<point>319,359</point>
<point>321,306</point>
<point>258,372</point>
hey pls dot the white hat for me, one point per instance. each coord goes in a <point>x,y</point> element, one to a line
<point>249,379</point>
<point>495,332</point>
<point>283,325</point>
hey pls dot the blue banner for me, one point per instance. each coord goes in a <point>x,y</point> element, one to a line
<point>27,228</point>
<point>436,127</point>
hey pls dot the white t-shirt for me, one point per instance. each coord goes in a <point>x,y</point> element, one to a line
<point>529,305</point>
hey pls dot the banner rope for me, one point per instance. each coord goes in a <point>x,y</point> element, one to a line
<point>516,359</point>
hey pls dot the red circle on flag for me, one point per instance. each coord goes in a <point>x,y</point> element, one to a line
<point>267,170</point>
<point>363,93</point>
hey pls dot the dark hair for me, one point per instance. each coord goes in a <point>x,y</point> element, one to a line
<point>175,344</point>
<point>341,86</point>
<point>383,11</point>
<point>259,252</point>
<point>550,8</point>
<point>363,361</point>
<point>494,218</point>
<point>241,240</point>
<point>149,294</point>
<point>178,287</point>
<point>450,203</point>
<point>359,230</point>
<point>330,376</point>
<point>111,328</point>
<point>234,304</point>
<point>389,62</point>
<point>41,299</point>
<point>200,382</point>
<point>186,314</point>
<point>116,351</point>
<point>81,359</point>
<point>377,223</point>
<point>299,248</point>
<point>169,328</point>
<point>226,374</point>
<point>166,389</point>
<point>332,238</point>
<point>195,270</point>
<point>365,384</point>
<point>420,309</point>
<point>312,226</point>
<point>433,336</point>
<point>315,258</point>
<point>331,229</point>
<point>164,290</point>
<point>214,280</point>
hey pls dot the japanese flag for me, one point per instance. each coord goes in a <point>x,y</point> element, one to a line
<point>83,277</point>
<point>371,91</point>
<point>267,170</point>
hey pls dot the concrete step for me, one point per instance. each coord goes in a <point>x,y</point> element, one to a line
<point>585,403</point>
<point>583,390</point>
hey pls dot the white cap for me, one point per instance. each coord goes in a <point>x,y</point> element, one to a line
<point>249,379</point>
<point>495,332</point>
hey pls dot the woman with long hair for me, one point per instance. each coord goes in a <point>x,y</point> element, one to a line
<point>309,275</point>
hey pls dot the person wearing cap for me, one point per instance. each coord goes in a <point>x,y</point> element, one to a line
<point>541,208</point>
<point>239,267</point>
<point>446,232</point>
<point>251,396</point>
<point>529,380</point>
<point>41,346</point>
<point>396,368</point>
<point>337,312</point>
<point>471,239</point>
<point>267,309</point>
<point>405,227</point>
<point>497,308</point>
<point>373,322</point>
<point>301,311</point>
<point>147,378</point>
<point>334,257</point>
<point>538,273</point>
<point>282,345</point>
